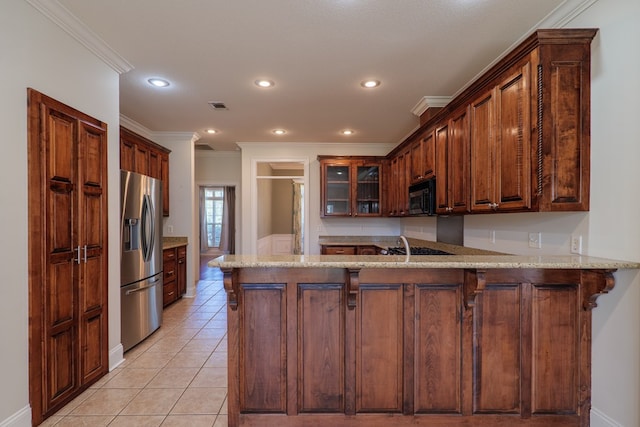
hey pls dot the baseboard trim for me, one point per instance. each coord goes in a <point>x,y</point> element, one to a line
<point>22,418</point>
<point>116,357</point>
<point>599,418</point>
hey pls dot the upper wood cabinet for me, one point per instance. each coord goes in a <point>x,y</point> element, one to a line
<point>351,186</point>
<point>399,177</point>
<point>452,164</point>
<point>518,138</point>
<point>501,144</point>
<point>140,155</point>
<point>423,151</point>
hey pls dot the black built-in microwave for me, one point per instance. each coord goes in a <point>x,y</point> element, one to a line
<point>422,198</point>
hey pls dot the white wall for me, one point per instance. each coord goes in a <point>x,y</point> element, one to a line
<point>36,53</point>
<point>183,213</point>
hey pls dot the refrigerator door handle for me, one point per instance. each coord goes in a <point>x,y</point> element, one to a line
<point>148,227</point>
<point>133,291</point>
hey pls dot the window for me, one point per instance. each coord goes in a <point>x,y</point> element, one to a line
<point>213,206</point>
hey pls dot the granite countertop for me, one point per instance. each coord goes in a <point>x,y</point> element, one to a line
<point>169,242</point>
<point>422,261</point>
<point>462,257</point>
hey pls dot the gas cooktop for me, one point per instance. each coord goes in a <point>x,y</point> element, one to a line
<point>416,250</point>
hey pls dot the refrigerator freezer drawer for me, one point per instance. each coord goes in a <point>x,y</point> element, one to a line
<point>141,310</point>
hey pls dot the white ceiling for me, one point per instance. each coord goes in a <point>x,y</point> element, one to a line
<point>316,51</point>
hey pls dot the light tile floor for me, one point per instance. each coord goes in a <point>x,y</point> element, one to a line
<point>176,377</point>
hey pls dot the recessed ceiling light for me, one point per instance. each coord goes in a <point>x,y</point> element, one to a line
<point>370,83</point>
<point>347,132</point>
<point>212,131</point>
<point>279,131</point>
<point>264,83</point>
<point>158,82</point>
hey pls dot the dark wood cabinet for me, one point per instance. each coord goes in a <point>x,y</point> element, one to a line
<point>399,181</point>
<point>349,250</point>
<point>141,155</point>
<point>515,140</point>
<point>68,266</point>
<point>452,164</point>
<point>364,347</point>
<point>423,157</point>
<point>174,265</point>
<point>351,186</point>
<point>501,144</point>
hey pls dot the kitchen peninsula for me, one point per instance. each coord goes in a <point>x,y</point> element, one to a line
<point>475,340</point>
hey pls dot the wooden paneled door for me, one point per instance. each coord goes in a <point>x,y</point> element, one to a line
<point>68,329</point>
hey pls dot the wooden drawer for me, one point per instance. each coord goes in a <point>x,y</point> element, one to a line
<point>169,268</point>
<point>169,254</point>
<point>338,250</point>
<point>169,293</point>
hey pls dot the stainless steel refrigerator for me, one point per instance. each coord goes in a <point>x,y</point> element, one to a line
<point>141,257</point>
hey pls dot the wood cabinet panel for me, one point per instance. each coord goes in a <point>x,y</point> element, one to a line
<point>513,145</point>
<point>568,93</point>
<point>555,349</point>
<point>452,164</point>
<point>438,350</point>
<point>379,349</point>
<point>263,334</point>
<point>497,350</point>
<point>321,342</point>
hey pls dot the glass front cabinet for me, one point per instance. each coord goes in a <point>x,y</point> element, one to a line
<point>350,186</point>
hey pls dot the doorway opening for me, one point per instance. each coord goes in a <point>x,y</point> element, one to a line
<point>217,220</point>
<point>280,202</point>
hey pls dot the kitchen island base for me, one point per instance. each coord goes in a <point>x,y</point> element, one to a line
<point>410,346</point>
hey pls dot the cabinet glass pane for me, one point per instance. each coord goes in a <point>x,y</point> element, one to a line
<point>368,190</point>
<point>338,173</point>
<point>337,207</point>
<point>338,191</point>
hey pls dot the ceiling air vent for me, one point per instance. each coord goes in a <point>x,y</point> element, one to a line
<point>218,105</point>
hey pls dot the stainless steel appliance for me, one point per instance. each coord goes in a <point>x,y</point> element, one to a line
<point>141,257</point>
<point>422,198</point>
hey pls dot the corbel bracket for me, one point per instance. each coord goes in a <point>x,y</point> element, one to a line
<point>474,283</point>
<point>230,281</point>
<point>353,286</point>
<point>595,283</point>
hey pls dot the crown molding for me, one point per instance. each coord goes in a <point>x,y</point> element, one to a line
<point>68,22</point>
<point>427,102</point>
<point>136,127</point>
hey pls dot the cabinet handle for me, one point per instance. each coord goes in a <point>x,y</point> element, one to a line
<point>170,273</point>
<point>77,260</point>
